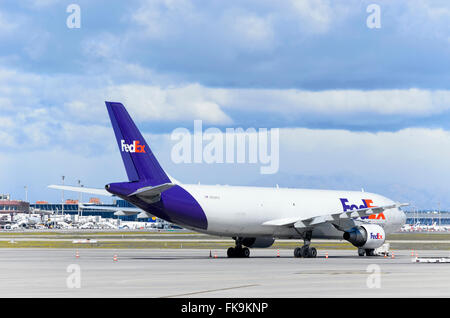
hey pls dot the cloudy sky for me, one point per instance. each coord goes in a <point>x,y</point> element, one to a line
<point>356,107</point>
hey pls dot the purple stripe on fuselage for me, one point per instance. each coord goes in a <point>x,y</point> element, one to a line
<point>182,208</point>
<point>176,205</point>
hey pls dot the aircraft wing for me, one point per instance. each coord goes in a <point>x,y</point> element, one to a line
<point>332,217</point>
<point>81,189</point>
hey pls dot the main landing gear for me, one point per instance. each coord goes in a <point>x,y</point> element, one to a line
<point>238,251</point>
<point>306,251</point>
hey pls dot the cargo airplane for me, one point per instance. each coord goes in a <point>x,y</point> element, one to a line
<point>252,216</point>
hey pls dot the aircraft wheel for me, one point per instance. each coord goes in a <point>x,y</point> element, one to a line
<point>304,251</point>
<point>361,252</point>
<point>370,252</point>
<point>245,252</point>
<point>312,252</point>
<point>297,252</point>
<point>238,252</point>
<point>231,252</point>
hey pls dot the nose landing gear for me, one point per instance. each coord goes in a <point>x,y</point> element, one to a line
<point>367,252</point>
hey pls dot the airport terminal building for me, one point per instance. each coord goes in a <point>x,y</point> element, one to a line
<point>8,206</point>
<point>428,217</point>
<point>94,208</point>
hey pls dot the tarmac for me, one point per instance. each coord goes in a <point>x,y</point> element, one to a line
<point>193,273</point>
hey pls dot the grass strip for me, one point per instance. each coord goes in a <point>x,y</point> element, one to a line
<point>201,245</point>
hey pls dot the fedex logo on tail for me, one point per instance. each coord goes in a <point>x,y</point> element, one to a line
<point>376,236</point>
<point>135,147</point>
<point>366,204</point>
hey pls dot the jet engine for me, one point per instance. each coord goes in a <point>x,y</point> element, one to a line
<point>258,242</point>
<point>367,236</point>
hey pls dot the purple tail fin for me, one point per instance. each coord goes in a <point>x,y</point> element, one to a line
<point>140,163</point>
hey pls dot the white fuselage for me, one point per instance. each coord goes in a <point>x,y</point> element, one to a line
<point>241,211</point>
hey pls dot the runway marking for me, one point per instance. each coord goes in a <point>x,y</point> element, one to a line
<point>210,291</point>
<point>327,272</point>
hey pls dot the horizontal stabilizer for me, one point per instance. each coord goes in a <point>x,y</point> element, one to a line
<point>82,190</point>
<point>125,210</point>
<point>144,215</point>
<point>152,194</point>
<point>125,213</point>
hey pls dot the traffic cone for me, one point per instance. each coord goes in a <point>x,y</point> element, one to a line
<point>115,258</point>
<point>393,254</point>
<point>412,253</point>
<point>326,254</point>
<point>77,255</point>
<point>278,252</point>
<point>215,255</point>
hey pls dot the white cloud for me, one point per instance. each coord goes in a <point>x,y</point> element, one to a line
<point>162,18</point>
<point>417,151</point>
<point>80,100</point>
<point>6,122</point>
<point>409,165</point>
<point>385,102</point>
<point>319,16</point>
<point>7,140</point>
<point>249,31</point>
<point>408,162</point>
<point>171,103</point>
<point>5,104</point>
<point>424,19</point>
<point>38,168</point>
<point>194,101</point>
<point>37,44</point>
<point>41,3</point>
<point>90,140</point>
<point>105,45</point>
<point>83,99</point>
<point>7,25</point>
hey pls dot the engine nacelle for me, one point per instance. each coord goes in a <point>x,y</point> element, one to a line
<point>258,242</point>
<point>367,236</point>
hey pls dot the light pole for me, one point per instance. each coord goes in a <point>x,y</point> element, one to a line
<point>26,193</point>
<point>414,215</point>
<point>62,196</point>
<point>439,213</point>
<point>81,194</point>
<point>79,197</point>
